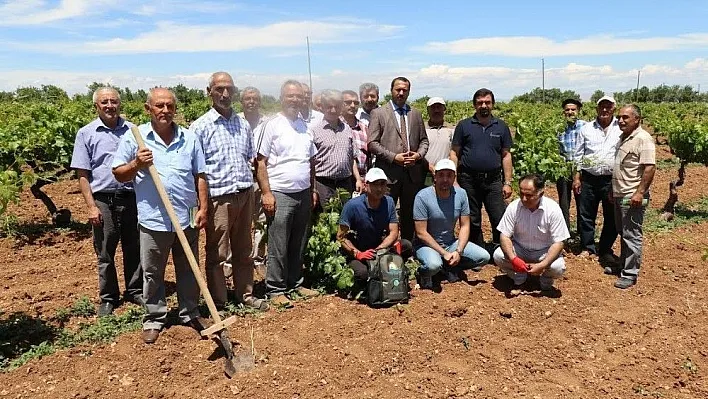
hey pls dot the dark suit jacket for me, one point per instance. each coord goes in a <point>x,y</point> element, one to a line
<point>385,141</point>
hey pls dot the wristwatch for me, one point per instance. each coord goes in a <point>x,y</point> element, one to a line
<point>507,183</point>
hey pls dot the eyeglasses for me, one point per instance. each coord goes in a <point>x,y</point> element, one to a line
<point>350,102</point>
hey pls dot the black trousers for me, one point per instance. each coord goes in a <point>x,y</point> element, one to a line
<point>483,189</point>
<point>595,190</point>
<point>361,270</point>
<point>405,190</point>
<point>564,186</point>
<point>327,188</point>
<point>120,223</point>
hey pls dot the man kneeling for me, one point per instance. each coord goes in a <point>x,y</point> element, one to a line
<point>369,223</point>
<point>435,211</point>
<point>532,234</point>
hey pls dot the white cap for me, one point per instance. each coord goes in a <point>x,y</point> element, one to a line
<point>606,98</point>
<point>436,100</point>
<point>444,164</point>
<point>375,174</point>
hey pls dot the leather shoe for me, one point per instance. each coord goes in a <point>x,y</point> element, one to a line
<point>150,336</point>
<point>105,309</point>
<point>195,324</point>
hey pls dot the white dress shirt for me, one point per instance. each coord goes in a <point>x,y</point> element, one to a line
<point>536,230</point>
<point>596,147</point>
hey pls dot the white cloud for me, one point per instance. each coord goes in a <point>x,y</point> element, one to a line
<point>38,12</point>
<point>170,37</point>
<point>537,46</point>
<point>448,81</point>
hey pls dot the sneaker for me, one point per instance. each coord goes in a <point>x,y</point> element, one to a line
<point>624,283</point>
<point>452,277</point>
<point>105,309</point>
<point>611,271</point>
<point>307,293</point>
<point>425,282</point>
<point>608,259</point>
<point>256,303</point>
<point>281,301</point>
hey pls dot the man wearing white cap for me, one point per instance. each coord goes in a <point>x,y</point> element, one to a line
<point>369,223</point>
<point>435,211</point>
<point>595,155</point>
<point>439,136</point>
<point>532,234</point>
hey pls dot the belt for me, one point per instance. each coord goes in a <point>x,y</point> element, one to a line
<point>327,180</point>
<point>585,173</point>
<point>116,195</point>
<point>488,175</point>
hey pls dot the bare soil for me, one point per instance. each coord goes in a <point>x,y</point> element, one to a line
<point>473,339</point>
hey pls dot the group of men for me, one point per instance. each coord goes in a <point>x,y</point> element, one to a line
<point>229,171</point>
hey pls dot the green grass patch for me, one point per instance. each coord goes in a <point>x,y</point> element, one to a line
<point>25,338</point>
<point>686,214</point>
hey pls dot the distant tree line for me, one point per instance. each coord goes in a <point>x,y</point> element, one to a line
<point>658,94</point>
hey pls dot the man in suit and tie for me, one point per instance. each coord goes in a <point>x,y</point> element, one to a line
<point>398,142</point>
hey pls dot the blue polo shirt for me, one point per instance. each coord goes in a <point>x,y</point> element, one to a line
<point>480,146</point>
<point>177,163</point>
<point>370,225</point>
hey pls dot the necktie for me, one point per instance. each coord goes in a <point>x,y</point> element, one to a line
<point>404,129</point>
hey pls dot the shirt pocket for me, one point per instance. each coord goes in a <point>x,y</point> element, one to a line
<point>182,161</point>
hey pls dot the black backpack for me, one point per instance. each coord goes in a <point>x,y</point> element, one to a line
<point>388,280</point>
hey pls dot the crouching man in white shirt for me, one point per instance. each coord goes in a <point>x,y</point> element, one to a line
<point>532,234</point>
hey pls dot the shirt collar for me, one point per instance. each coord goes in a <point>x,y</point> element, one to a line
<point>179,134</point>
<point>492,120</point>
<point>337,128</point>
<point>541,205</point>
<point>102,126</point>
<point>215,115</point>
<point>405,107</point>
<point>597,125</point>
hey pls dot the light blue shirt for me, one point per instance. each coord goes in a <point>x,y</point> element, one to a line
<point>228,150</point>
<point>94,147</point>
<point>177,164</point>
<point>441,213</point>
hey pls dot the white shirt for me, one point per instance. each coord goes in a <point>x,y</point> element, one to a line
<point>536,230</point>
<point>595,149</point>
<point>288,146</point>
<point>363,116</point>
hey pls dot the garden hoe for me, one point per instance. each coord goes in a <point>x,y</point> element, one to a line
<point>218,330</point>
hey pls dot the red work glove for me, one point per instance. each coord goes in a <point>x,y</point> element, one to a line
<point>519,265</point>
<point>365,255</point>
<point>397,247</point>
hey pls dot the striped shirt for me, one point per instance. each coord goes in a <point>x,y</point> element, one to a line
<point>335,150</point>
<point>569,138</point>
<point>361,139</point>
<point>595,150</point>
<point>536,230</point>
<point>228,149</point>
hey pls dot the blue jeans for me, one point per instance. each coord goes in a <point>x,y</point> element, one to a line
<point>473,257</point>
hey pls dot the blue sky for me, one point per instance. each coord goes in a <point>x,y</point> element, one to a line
<point>446,48</point>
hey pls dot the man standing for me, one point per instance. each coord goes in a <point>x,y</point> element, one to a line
<point>481,144</point>
<point>371,217</point>
<point>439,137</point>
<point>369,96</point>
<point>595,155</point>
<point>633,173</point>
<point>178,157</point>
<point>532,235</point>
<point>336,156</point>
<point>285,170</point>
<point>310,115</point>
<point>398,140</point>
<point>251,105</point>
<point>227,141</point>
<point>436,211</point>
<point>112,210</point>
<point>567,141</point>
<point>351,105</point>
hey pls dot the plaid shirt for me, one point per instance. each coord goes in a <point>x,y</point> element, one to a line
<point>228,149</point>
<point>361,138</point>
<point>335,150</point>
<point>568,140</point>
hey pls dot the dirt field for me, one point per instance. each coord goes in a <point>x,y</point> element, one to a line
<point>472,340</point>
